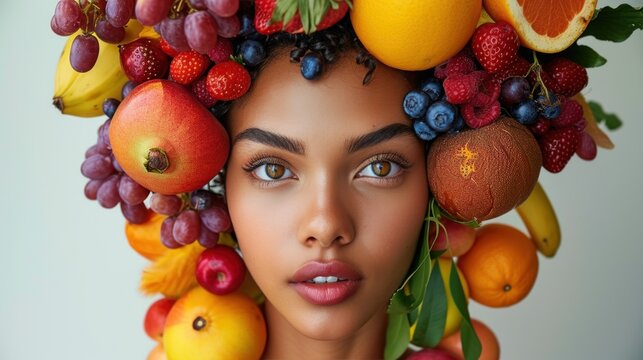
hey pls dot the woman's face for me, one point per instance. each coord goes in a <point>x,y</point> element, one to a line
<point>326,182</point>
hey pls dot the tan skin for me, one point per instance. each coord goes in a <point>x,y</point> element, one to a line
<point>320,200</point>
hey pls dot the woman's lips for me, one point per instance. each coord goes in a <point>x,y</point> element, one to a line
<point>326,283</point>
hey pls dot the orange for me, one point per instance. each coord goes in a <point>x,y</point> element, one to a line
<point>158,353</point>
<point>414,34</point>
<point>145,238</point>
<point>545,26</point>
<point>488,340</point>
<point>501,267</point>
<point>204,326</point>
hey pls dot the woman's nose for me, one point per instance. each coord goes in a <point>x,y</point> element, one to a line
<point>327,217</point>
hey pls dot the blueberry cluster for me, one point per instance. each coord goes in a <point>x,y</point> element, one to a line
<point>432,114</point>
<point>515,95</point>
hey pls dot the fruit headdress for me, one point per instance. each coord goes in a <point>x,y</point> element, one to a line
<point>500,98</point>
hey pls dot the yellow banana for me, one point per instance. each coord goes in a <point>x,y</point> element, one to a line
<point>540,218</point>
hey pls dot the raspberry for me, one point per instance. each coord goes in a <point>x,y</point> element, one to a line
<point>477,117</point>
<point>489,93</point>
<point>570,113</point>
<point>461,88</point>
<point>460,65</point>
<point>440,71</point>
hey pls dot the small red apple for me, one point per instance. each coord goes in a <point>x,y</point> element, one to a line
<point>460,238</point>
<point>431,354</point>
<point>220,270</point>
<point>156,316</point>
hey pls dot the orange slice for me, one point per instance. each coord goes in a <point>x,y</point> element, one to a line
<point>547,26</point>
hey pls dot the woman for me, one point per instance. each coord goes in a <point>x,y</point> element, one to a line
<point>327,190</point>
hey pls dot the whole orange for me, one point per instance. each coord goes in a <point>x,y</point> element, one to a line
<point>501,267</point>
<point>205,326</point>
<point>488,340</point>
<point>145,238</point>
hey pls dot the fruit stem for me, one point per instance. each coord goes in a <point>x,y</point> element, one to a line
<point>156,161</point>
<point>536,68</point>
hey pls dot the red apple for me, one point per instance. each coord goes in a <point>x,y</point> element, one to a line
<point>460,238</point>
<point>156,316</point>
<point>165,140</point>
<point>431,354</point>
<point>220,270</point>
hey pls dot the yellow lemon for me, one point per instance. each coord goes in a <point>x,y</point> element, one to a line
<point>414,34</point>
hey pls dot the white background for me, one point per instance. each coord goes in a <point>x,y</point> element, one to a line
<point>68,279</point>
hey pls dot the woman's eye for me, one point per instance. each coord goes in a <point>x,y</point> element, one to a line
<point>381,169</point>
<point>271,172</point>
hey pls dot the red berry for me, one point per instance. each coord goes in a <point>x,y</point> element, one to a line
<point>570,113</point>
<point>200,90</point>
<point>460,65</point>
<point>333,16</point>
<point>220,270</point>
<point>221,51</point>
<point>541,126</point>
<point>495,45</point>
<point>461,88</point>
<point>586,148</point>
<point>488,93</point>
<point>520,67</point>
<point>143,60</point>
<point>569,78</point>
<point>228,81</point>
<point>188,66</point>
<point>263,18</point>
<point>167,48</point>
<point>477,117</point>
<point>558,147</point>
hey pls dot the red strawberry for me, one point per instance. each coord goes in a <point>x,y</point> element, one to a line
<point>228,81</point>
<point>541,126</point>
<point>558,147</point>
<point>570,113</point>
<point>187,66</point>
<point>143,60</point>
<point>264,10</point>
<point>167,48</point>
<point>569,77</point>
<point>221,51</point>
<point>263,18</point>
<point>520,67</point>
<point>495,45</point>
<point>461,88</point>
<point>200,90</point>
<point>332,16</point>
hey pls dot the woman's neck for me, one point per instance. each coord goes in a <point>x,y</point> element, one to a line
<point>285,342</point>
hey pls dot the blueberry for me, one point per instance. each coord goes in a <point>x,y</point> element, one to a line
<point>433,88</point>
<point>423,131</point>
<point>514,90</point>
<point>252,52</point>
<point>127,88</point>
<point>549,109</point>
<point>525,112</point>
<point>458,125</point>
<point>109,107</point>
<point>440,116</point>
<point>312,65</point>
<point>415,103</point>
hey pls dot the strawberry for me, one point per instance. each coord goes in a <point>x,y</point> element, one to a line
<point>520,67</point>
<point>557,147</point>
<point>570,113</point>
<point>541,126</point>
<point>569,78</point>
<point>221,51</point>
<point>200,90</point>
<point>167,48</point>
<point>495,45</point>
<point>302,20</point>
<point>142,60</point>
<point>228,80</point>
<point>187,66</point>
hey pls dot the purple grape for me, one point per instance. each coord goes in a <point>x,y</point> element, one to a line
<point>91,188</point>
<point>166,204</point>
<point>207,238</point>
<point>586,148</point>
<point>216,219</point>
<point>103,134</point>
<point>514,90</point>
<point>67,17</point>
<point>131,192</point>
<point>172,31</point>
<point>127,88</point>
<point>108,32</point>
<point>84,52</point>
<point>201,31</point>
<point>107,194</point>
<point>97,149</point>
<point>109,107</point>
<point>97,167</point>
<point>223,8</point>
<point>116,165</point>
<point>187,227</point>
<point>118,12</point>
<point>167,238</point>
<point>228,27</point>
<point>198,4</point>
<point>201,199</point>
<point>151,12</point>
<point>135,214</point>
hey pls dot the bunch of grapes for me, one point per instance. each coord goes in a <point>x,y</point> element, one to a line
<point>200,215</point>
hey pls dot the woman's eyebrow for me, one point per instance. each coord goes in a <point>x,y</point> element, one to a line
<point>378,136</point>
<point>271,139</point>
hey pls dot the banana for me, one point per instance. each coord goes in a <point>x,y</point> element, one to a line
<point>540,218</point>
<point>82,94</point>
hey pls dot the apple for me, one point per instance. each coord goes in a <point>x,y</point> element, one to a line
<point>165,140</point>
<point>431,354</point>
<point>220,270</point>
<point>156,316</point>
<point>460,237</point>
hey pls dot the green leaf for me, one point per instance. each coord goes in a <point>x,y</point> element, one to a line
<point>397,336</point>
<point>584,55</point>
<point>611,120</point>
<point>471,346</point>
<point>615,24</point>
<point>433,314</point>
